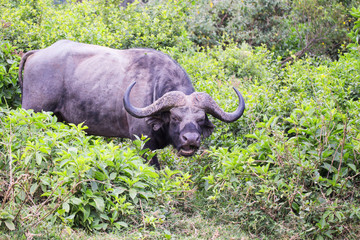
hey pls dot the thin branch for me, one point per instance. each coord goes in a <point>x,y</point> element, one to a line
<point>142,214</point>
<point>342,145</point>
<point>7,194</point>
<point>300,53</point>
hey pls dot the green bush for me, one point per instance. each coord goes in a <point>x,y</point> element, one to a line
<point>255,22</point>
<point>298,173</point>
<point>9,88</point>
<point>37,24</point>
<point>354,34</point>
<point>57,174</point>
<point>317,27</point>
<point>313,26</point>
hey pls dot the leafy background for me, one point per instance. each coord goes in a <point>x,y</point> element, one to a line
<point>289,168</point>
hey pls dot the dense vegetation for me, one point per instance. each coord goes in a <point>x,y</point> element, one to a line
<point>289,168</point>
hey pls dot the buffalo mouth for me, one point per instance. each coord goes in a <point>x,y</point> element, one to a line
<point>188,150</point>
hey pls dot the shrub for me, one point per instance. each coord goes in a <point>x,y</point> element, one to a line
<point>296,27</point>
<point>9,62</point>
<point>317,27</point>
<point>57,174</point>
<point>38,24</point>
<point>255,22</point>
<point>297,173</point>
<point>354,34</point>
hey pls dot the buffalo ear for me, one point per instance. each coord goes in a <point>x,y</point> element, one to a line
<point>157,121</point>
<point>208,127</point>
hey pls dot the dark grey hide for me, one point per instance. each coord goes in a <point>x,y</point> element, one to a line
<point>87,83</point>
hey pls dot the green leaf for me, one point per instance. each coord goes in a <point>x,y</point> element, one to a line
<point>76,201</point>
<point>86,211</point>
<point>117,191</point>
<point>66,206</point>
<point>66,161</point>
<point>329,191</point>
<point>113,175</point>
<point>10,225</point>
<point>328,167</point>
<point>352,166</point>
<point>10,61</point>
<point>251,136</point>
<point>167,234</point>
<point>73,150</point>
<point>260,125</point>
<point>100,176</point>
<point>89,193</point>
<point>102,226</point>
<point>118,225</point>
<point>339,215</point>
<point>140,185</point>
<point>133,193</point>
<point>329,234</point>
<point>99,203</point>
<point>33,188</point>
<point>104,216</point>
<point>94,186</point>
<point>38,158</point>
<point>151,174</point>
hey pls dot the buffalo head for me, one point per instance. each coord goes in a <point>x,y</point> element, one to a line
<point>183,117</point>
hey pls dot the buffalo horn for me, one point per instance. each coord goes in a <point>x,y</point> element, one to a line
<point>165,103</point>
<point>204,101</point>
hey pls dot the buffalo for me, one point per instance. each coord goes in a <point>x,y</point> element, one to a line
<point>121,93</point>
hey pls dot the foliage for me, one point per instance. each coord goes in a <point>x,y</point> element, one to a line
<point>9,89</point>
<point>354,34</point>
<point>317,26</point>
<point>301,161</point>
<point>255,22</point>
<point>37,24</point>
<point>54,172</point>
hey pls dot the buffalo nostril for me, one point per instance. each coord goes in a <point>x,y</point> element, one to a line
<point>191,137</point>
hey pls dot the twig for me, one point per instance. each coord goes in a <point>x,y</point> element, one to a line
<point>142,214</point>
<point>23,202</point>
<point>9,189</point>
<point>301,52</point>
<point>30,236</point>
<point>332,161</point>
<point>48,199</point>
<point>342,145</point>
<point>10,158</point>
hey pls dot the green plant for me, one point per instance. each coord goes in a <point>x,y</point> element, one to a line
<point>9,62</point>
<point>56,173</point>
<point>354,34</point>
<point>299,163</point>
<point>38,24</point>
<point>317,27</point>
<point>254,22</point>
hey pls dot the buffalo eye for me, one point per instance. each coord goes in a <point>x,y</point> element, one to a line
<point>175,119</point>
<point>201,121</point>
